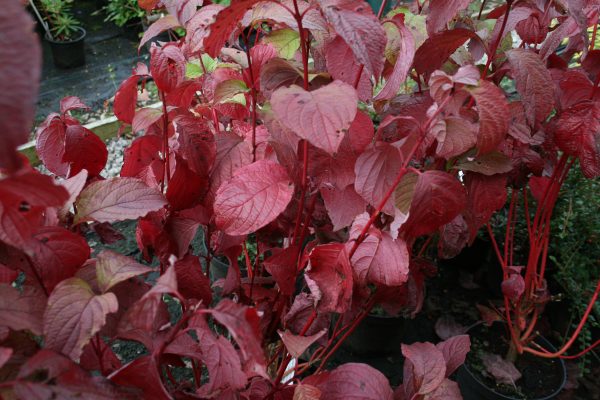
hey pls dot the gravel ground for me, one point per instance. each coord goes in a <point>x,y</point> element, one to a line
<point>116,147</point>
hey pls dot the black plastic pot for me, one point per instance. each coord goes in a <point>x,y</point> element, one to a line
<point>68,54</point>
<point>472,388</point>
<point>376,335</point>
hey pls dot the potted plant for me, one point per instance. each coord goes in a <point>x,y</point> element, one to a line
<point>269,149</point>
<point>512,360</point>
<point>64,32</point>
<point>127,15</point>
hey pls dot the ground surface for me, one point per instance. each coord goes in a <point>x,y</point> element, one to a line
<point>110,57</point>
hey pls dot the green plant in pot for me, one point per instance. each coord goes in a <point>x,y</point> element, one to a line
<point>63,31</point>
<point>126,14</point>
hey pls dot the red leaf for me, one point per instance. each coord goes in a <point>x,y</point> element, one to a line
<point>84,150</point>
<point>278,72</point>
<point>404,61</point>
<point>71,103</point>
<point>5,354</point>
<point>57,255</point>
<point>162,24</point>
<point>74,314</point>
<point>23,199</point>
<point>182,227</point>
<point>458,136</point>
<point>126,100</point>
<point>485,196</point>
<point>50,145</point>
<point>196,144</point>
<point>222,361</point>
<point>455,351</point>
<point>21,310</point>
<point>255,196</point>
<point>260,54</point>
<point>167,66</point>
<point>19,73</point>
<point>225,23</point>
<point>342,205</point>
<point>534,84</point>
<point>438,198</point>
<point>63,379</point>
<point>105,362</point>
<point>361,30</point>
<point>113,268</point>
<point>437,48</point>
<point>502,370</point>
<point>306,392</point>
<point>329,277</point>
<point>7,275</point>
<point>441,12</point>
<point>513,287</point>
<point>185,188</point>
<point>297,345</point>
<point>74,186</point>
<point>376,170</point>
<point>143,320</point>
<point>144,118</point>
<point>424,368</point>
<point>142,160</point>
<point>147,5</point>
<point>447,390</point>
<point>494,115</point>
<point>342,66</point>
<point>282,265</point>
<point>356,381</point>
<point>243,324</point>
<point>117,199</point>
<point>232,153</point>
<point>487,164</point>
<point>447,327</point>
<point>142,373</point>
<point>379,259</point>
<point>538,186</point>
<point>578,134</point>
<point>192,282</point>
<point>453,238</point>
<point>197,26</point>
<point>322,117</point>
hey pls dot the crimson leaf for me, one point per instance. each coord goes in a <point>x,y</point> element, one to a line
<point>117,199</point>
<point>255,196</point>
<point>322,117</point>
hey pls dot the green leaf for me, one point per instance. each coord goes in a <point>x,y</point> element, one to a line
<point>229,91</point>
<point>285,41</point>
<point>193,69</point>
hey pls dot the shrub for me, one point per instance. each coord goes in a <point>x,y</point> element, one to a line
<point>261,143</point>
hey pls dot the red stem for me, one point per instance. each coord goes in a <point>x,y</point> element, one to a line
<point>303,182</point>
<point>254,96</point>
<point>570,342</point>
<point>402,172</point>
<point>492,54</point>
<point>166,169</point>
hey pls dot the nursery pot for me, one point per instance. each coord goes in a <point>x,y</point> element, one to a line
<point>376,335</point>
<point>473,388</point>
<point>69,54</point>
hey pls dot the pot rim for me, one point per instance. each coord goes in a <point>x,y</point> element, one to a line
<point>82,35</point>
<point>549,345</point>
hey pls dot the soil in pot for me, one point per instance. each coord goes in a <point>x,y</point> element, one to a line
<point>541,377</point>
<point>69,54</point>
